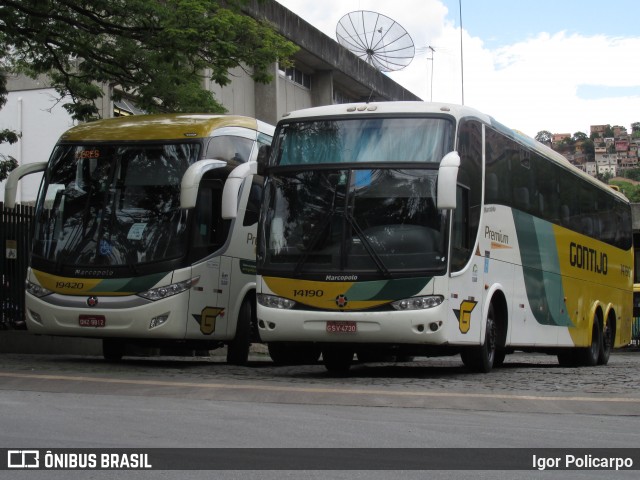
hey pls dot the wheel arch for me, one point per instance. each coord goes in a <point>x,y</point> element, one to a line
<point>611,320</point>
<point>596,313</point>
<point>498,299</point>
<point>246,293</point>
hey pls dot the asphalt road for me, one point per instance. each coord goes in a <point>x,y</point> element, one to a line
<point>200,402</point>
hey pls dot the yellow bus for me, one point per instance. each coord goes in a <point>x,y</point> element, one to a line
<point>431,229</point>
<point>145,233</point>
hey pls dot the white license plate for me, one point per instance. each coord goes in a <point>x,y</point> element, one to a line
<point>95,321</point>
<point>339,326</point>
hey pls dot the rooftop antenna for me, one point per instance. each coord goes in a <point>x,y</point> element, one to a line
<point>378,40</point>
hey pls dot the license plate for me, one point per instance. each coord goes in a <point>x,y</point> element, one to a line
<point>342,326</point>
<point>92,321</point>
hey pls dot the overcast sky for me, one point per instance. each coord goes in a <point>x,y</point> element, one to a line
<point>557,65</point>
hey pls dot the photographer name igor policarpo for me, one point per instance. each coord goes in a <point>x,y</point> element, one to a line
<point>582,462</point>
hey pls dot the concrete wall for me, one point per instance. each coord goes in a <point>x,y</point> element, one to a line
<point>239,97</point>
<point>40,118</point>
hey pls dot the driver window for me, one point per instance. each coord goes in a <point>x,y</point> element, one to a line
<point>209,231</point>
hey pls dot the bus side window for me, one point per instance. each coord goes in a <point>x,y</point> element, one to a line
<point>253,205</point>
<point>209,229</point>
<point>460,235</point>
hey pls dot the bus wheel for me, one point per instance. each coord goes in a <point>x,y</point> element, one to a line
<point>337,359</point>
<point>292,353</point>
<point>589,356</point>
<point>112,349</point>
<point>481,359</point>
<point>238,348</point>
<point>607,343</point>
<point>498,359</point>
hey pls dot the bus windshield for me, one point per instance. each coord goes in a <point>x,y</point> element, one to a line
<point>368,221</point>
<point>113,205</point>
<point>364,140</point>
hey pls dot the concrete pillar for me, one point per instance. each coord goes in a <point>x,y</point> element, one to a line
<point>322,88</point>
<point>266,99</point>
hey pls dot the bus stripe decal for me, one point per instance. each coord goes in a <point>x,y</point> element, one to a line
<point>401,288</point>
<point>540,262</point>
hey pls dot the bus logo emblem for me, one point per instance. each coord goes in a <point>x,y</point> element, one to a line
<point>92,301</point>
<point>341,301</point>
<point>464,314</point>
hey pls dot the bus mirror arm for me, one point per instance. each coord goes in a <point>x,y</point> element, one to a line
<point>11,187</point>
<point>232,188</point>
<point>447,181</point>
<point>192,178</point>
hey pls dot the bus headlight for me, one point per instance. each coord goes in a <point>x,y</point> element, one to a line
<point>168,290</point>
<point>36,290</point>
<point>275,302</point>
<point>418,303</point>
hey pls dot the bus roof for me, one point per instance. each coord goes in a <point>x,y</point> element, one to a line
<point>160,127</point>
<point>456,111</point>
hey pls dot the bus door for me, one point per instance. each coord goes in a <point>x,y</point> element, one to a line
<point>467,279</point>
<point>209,297</point>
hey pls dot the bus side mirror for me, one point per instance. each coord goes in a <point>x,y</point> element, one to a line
<point>447,181</point>
<point>11,187</point>
<point>232,186</point>
<point>264,152</point>
<point>191,180</point>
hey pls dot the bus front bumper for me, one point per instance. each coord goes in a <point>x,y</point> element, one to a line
<point>112,317</point>
<point>400,327</point>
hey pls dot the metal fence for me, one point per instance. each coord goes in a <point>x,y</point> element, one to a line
<point>15,234</point>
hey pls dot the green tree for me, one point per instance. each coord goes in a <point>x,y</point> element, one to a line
<point>7,163</point>
<point>589,149</point>
<point>156,52</point>
<point>544,136</point>
<point>579,136</point>
<point>608,131</point>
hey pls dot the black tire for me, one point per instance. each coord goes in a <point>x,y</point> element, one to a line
<point>337,359</point>
<point>238,348</point>
<point>589,356</point>
<point>608,338</point>
<point>481,359</point>
<point>112,349</point>
<point>294,353</point>
<point>498,360</point>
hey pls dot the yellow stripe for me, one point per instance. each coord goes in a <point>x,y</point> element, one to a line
<point>66,285</point>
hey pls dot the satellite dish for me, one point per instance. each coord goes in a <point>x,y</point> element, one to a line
<point>376,39</point>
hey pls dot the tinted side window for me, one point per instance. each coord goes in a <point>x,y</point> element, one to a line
<point>525,180</point>
<point>467,215</point>
<point>253,204</point>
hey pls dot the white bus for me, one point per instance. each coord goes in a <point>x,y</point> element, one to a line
<point>145,233</point>
<point>421,229</point>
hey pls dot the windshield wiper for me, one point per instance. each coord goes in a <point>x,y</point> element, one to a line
<point>367,245</point>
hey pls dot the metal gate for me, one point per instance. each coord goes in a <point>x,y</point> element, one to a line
<point>15,234</point>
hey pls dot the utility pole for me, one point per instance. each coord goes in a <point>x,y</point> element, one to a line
<point>432,68</point>
<point>461,59</point>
